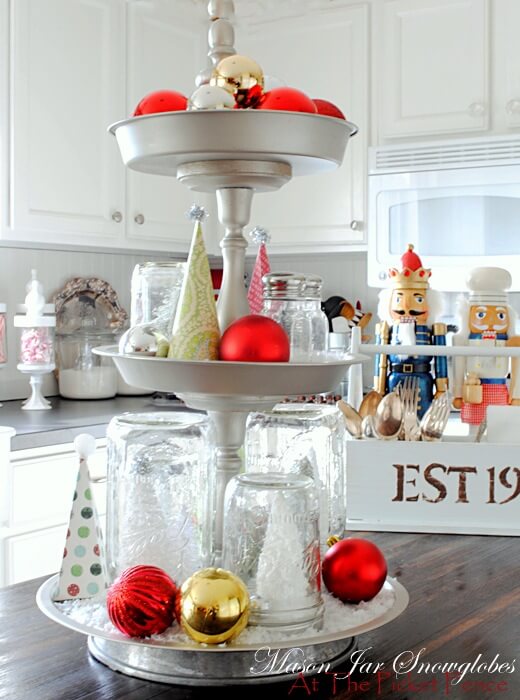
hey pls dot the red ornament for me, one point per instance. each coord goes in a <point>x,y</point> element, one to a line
<point>161,101</point>
<point>354,570</point>
<point>328,109</point>
<point>288,99</point>
<point>142,601</point>
<point>254,338</point>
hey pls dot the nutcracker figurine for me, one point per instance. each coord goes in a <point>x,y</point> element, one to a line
<point>486,320</point>
<point>404,310</point>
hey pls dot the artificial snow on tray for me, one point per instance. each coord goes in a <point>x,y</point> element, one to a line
<point>338,616</point>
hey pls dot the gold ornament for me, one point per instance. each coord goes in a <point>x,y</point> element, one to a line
<point>237,72</point>
<point>214,606</point>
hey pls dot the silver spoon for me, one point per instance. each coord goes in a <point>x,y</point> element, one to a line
<point>367,427</point>
<point>388,417</point>
<point>352,419</point>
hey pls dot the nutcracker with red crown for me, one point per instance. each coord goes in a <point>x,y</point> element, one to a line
<point>486,320</point>
<point>406,310</point>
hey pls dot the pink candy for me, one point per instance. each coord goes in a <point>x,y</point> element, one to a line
<point>36,347</point>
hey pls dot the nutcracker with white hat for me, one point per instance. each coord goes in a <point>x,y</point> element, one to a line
<point>486,320</point>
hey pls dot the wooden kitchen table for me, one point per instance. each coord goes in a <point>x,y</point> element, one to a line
<point>464,608</point>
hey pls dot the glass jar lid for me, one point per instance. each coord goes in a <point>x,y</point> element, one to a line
<point>313,286</point>
<point>283,285</point>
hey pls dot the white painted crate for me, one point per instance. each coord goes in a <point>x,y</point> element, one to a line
<point>449,487</point>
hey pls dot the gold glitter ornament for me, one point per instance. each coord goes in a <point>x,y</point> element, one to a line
<point>214,606</point>
<point>237,73</point>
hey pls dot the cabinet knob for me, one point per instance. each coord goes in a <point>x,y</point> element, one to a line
<point>382,275</point>
<point>117,217</point>
<point>139,219</point>
<point>356,225</point>
<point>477,109</point>
<point>513,107</point>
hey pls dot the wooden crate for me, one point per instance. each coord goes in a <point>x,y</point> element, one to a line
<point>450,487</point>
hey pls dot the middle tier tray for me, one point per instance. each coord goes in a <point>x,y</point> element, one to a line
<point>247,385</point>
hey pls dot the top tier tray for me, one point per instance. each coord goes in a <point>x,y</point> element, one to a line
<point>160,143</point>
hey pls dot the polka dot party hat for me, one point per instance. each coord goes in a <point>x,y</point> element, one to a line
<point>83,571</point>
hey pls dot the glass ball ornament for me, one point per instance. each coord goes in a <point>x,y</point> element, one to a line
<point>161,101</point>
<point>214,606</point>
<point>254,338</point>
<point>288,99</point>
<point>237,72</point>
<point>144,339</point>
<point>210,97</point>
<point>328,109</point>
<point>353,569</point>
<point>142,601</point>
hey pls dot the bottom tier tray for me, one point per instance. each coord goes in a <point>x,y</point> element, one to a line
<point>248,662</point>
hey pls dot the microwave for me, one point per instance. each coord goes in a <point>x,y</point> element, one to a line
<point>457,201</point>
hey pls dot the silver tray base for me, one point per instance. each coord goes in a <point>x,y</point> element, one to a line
<point>184,667</point>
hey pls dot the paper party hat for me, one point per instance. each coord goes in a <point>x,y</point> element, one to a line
<point>196,331</point>
<point>261,268</point>
<point>83,571</point>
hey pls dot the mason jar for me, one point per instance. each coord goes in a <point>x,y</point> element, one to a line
<point>306,439</point>
<point>160,492</point>
<point>271,542</point>
<point>285,303</point>
<point>319,322</point>
<point>155,291</point>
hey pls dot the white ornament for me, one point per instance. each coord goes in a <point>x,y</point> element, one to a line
<point>210,97</point>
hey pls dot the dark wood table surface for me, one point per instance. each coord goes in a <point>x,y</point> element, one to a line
<point>464,602</point>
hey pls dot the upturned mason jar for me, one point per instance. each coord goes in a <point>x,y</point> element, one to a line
<point>303,439</point>
<point>160,492</point>
<point>285,303</point>
<point>155,293</point>
<point>271,542</point>
<point>318,320</point>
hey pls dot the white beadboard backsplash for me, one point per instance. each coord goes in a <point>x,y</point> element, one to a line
<point>54,268</point>
<point>343,274</point>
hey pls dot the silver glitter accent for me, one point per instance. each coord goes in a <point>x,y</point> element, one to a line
<point>196,213</point>
<point>260,235</point>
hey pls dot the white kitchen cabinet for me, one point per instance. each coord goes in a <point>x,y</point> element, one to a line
<point>77,66</point>
<point>432,67</point>
<point>67,181</point>
<point>506,65</point>
<point>39,485</point>
<point>324,212</point>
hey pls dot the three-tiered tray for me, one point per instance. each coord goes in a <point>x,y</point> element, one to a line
<point>214,151</point>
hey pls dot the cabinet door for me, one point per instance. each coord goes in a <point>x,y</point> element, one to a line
<point>506,66</point>
<point>67,87</point>
<point>166,50</point>
<point>314,214</point>
<point>433,67</point>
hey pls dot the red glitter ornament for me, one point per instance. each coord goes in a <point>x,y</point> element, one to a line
<point>288,99</point>
<point>328,109</point>
<point>354,570</point>
<point>254,338</point>
<point>142,601</point>
<point>161,101</point>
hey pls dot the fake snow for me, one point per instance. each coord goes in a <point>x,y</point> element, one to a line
<point>338,617</point>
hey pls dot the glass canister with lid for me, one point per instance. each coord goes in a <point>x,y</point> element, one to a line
<point>81,373</point>
<point>160,492</point>
<point>318,320</point>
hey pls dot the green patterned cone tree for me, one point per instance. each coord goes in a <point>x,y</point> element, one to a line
<point>196,331</point>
